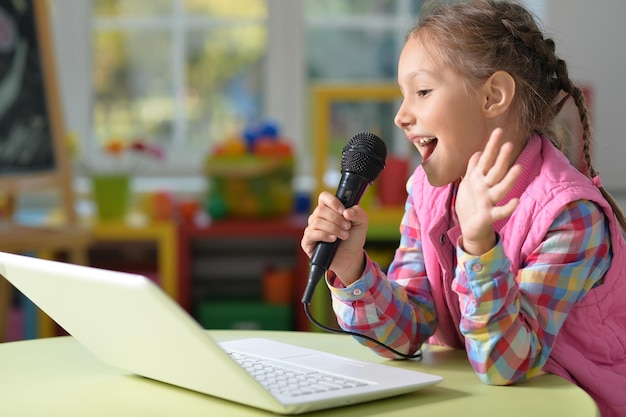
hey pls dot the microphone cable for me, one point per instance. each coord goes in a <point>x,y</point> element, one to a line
<point>362,160</point>
<point>417,355</point>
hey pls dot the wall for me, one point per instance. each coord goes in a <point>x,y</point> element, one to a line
<point>590,37</point>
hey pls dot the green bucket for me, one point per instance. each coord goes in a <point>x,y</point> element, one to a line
<point>111,194</point>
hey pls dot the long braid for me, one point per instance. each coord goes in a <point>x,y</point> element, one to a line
<point>557,81</point>
<point>579,99</point>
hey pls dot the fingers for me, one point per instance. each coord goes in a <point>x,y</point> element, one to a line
<point>503,185</point>
<point>329,221</point>
<point>333,210</point>
<point>473,163</point>
<point>329,200</point>
<point>483,162</point>
<point>494,163</point>
<point>501,165</point>
<point>501,212</point>
<point>491,153</point>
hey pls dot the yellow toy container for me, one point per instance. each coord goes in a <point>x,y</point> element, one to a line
<point>249,186</point>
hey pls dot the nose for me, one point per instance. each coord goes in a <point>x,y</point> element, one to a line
<point>403,117</point>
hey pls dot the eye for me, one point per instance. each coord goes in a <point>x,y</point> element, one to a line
<point>423,93</point>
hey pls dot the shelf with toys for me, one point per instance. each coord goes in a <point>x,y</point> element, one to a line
<point>245,268</point>
<point>250,175</point>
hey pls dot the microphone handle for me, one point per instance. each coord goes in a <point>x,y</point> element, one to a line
<point>350,190</point>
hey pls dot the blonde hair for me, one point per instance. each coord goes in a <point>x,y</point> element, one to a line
<point>480,37</point>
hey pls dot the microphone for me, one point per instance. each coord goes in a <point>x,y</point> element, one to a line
<point>362,160</point>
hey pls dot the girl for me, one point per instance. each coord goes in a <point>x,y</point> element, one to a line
<point>506,249</point>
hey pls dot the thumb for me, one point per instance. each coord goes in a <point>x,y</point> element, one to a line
<point>356,215</point>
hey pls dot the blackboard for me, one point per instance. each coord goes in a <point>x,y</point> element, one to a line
<point>32,152</point>
<point>26,144</point>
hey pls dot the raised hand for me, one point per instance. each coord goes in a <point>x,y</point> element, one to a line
<point>489,177</point>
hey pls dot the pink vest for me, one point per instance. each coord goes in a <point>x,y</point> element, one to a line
<point>590,349</point>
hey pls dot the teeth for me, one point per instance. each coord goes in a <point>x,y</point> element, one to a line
<point>424,141</point>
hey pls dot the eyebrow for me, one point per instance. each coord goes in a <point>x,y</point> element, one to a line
<point>429,75</point>
<point>422,72</point>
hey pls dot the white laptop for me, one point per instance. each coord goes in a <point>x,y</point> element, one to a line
<point>127,321</point>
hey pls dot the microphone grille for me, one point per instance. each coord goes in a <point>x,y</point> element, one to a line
<point>365,154</point>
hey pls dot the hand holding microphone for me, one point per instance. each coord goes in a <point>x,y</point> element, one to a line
<point>363,158</point>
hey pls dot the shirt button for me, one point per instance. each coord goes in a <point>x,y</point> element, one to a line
<point>442,239</point>
<point>356,291</point>
<point>477,267</point>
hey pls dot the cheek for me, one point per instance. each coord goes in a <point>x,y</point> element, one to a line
<point>445,114</point>
<point>466,126</point>
<point>435,117</point>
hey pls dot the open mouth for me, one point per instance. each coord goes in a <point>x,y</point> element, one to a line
<point>427,147</point>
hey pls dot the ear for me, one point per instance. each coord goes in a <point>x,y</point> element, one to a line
<point>498,92</point>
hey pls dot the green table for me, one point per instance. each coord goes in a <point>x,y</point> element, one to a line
<point>58,377</point>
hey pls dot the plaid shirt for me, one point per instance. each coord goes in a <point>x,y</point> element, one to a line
<point>497,306</point>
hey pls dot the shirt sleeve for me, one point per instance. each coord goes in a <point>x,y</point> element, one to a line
<point>510,321</point>
<point>396,309</point>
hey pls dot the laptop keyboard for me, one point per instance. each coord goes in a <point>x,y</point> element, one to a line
<point>291,380</point>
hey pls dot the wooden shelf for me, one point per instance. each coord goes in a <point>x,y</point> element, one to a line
<point>76,242</point>
<point>163,234</point>
<point>45,242</point>
<point>290,229</point>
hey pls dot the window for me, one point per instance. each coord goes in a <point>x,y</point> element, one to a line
<point>185,74</point>
<point>181,74</point>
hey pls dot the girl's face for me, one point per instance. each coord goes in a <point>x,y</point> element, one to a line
<point>439,115</point>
